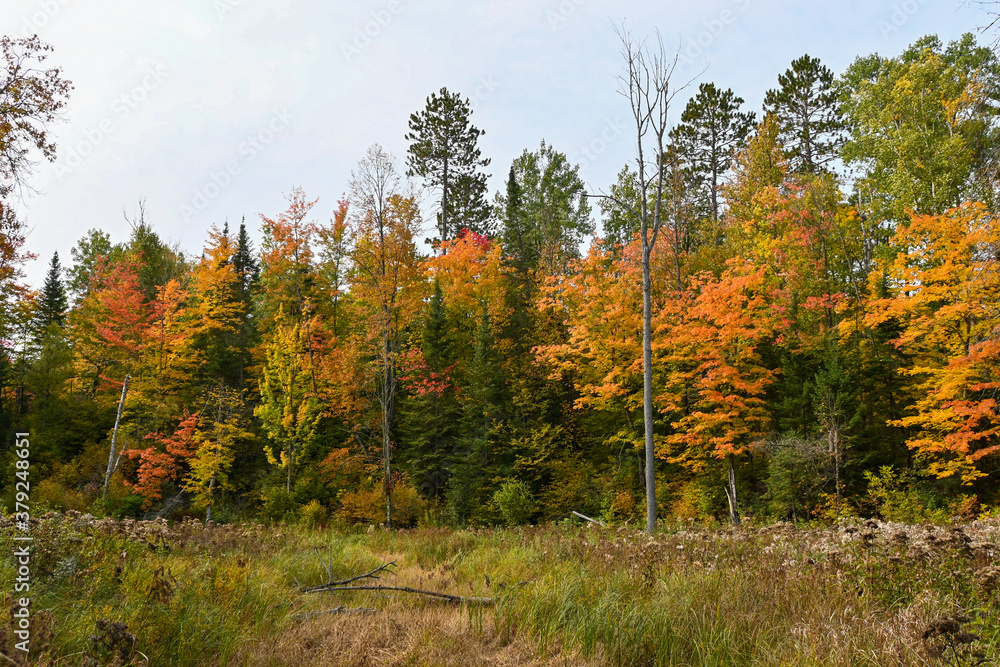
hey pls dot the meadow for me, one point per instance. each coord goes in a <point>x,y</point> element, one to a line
<point>125,592</point>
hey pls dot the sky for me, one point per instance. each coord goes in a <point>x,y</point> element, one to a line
<point>213,110</point>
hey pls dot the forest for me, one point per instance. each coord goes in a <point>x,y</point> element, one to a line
<point>823,304</point>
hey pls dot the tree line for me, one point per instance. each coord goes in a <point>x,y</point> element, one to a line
<point>821,306</point>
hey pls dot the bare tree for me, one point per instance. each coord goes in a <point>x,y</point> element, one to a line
<point>385,275</point>
<point>990,7</point>
<point>647,86</point>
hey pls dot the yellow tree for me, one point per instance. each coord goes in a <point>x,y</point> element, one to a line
<point>221,427</point>
<point>387,284</point>
<point>289,410</point>
<point>945,287</point>
<point>215,309</point>
<point>600,300</point>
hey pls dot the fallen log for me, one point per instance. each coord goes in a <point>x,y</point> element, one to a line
<point>457,599</point>
<point>587,518</point>
<point>369,575</point>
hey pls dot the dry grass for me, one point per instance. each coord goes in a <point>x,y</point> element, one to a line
<point>862,594</point>
<point>431,635</point>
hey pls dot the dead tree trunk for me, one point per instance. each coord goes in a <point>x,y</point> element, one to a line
<point>112,457</point>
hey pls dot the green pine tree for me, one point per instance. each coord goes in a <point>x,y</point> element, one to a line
<point>52,305</point>
<point>444,152</point>
<point>712,127</point>
<point>808,110</point>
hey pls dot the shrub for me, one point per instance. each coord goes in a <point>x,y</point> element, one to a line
<point>515,501</point>
<point>898,496</point>
<point>313,513</point>
<point>368,505</point>
<point>276,505</point>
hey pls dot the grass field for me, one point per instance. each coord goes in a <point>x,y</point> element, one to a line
<point>108,592</point>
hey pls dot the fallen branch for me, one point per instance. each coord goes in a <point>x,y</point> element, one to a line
<point>369,575</point>
<point>587,518</point>
<point>458,599</point>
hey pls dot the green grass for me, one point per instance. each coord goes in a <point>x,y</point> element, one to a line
<point>856,595</point>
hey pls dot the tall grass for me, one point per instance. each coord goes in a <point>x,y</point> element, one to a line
<point>865,594</point>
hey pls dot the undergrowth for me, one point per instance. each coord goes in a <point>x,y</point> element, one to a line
<point>135,593</point>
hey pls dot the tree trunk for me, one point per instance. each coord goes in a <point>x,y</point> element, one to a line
<point>208,512</point>
<point>444,201</point>
<point>734,513</point>
<point>647,388</point>
<point>387,398</point>
<point>112,461</point>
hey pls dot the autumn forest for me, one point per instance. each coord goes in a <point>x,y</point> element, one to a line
<point>823,322</point>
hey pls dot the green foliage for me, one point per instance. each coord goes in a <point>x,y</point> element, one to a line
<point>52,305</point>
<point>553,215</point>
<point>922,127</point>
<point>86,254</point>
<point>516,503</point>
<point>808,111</point>
<point>712,128</point>
<point>798,473</point>
<point>313,513</point>
<point>899,495</point>
<point>444,152</point>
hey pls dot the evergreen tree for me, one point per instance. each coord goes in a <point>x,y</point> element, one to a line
<point>546,213</point>
<point>248,269</point>
<point>712,127</point>
<point>808,111</point>
<point>159,262</point>
<point>470,485</point>
<point>430,414</point>
<point>444,152</point>
<point>52,305</point>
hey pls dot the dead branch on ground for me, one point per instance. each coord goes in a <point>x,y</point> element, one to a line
<point>368,575</point>
<point>458,599</point>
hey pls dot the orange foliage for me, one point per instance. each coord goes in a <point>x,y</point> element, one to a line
<point>163,461</point>
<point>717,379</point>
<point>944,291</point>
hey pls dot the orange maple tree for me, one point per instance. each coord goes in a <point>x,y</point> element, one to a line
<point>944,289</point>
<point>163,461</point>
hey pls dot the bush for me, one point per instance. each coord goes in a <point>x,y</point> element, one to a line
<point>277,505</point>
<point>898,496</point>
<point>516,503</point>
<point>368,505</point>
<point>131,506</point>
<point>313,513</point>
<point>53,495</point>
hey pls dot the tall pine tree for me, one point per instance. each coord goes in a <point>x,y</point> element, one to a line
<point>808,111</point>
<point>711,128</point>
<point>52,304</point>
<point>444,152</point>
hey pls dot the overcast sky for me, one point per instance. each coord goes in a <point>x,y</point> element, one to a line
<point>214,109</point>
